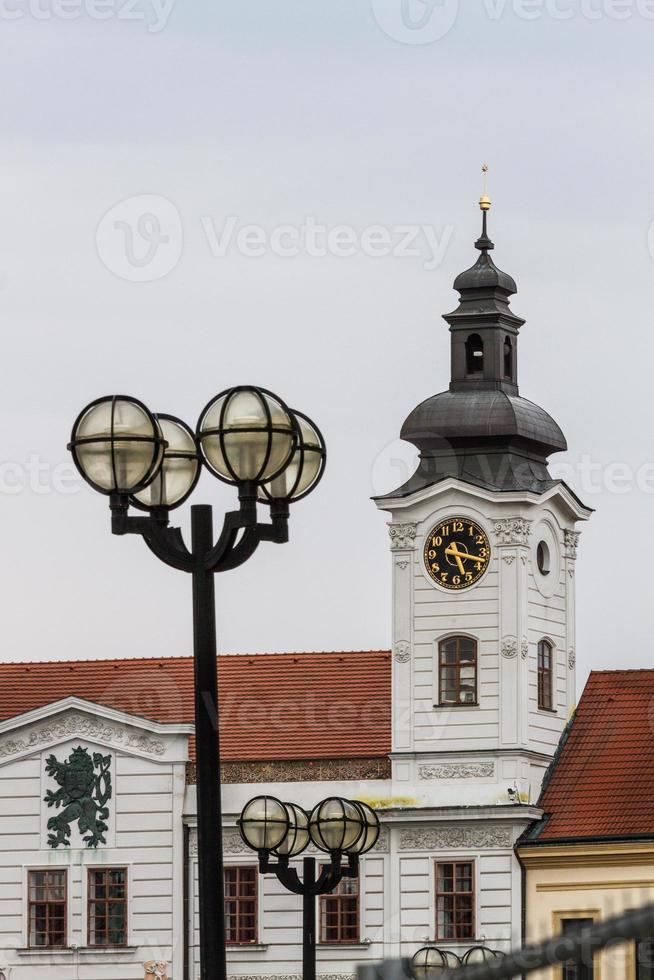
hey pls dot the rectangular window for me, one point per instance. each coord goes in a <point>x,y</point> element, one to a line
<point>107,907</point>
<point>645,959</point>
<point>241,904</point>
<point>545,664</point>
<point>339,913</point>
<point>47,901</point>
<point>579,970</point>
<point>457,671</point>
<point>455,900</point>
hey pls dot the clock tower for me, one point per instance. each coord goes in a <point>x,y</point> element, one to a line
<point>483,544</point>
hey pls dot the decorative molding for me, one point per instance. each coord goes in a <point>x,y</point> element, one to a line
<point>403,536</point>
<point>289,976</point>
<point>84,727</point>
<point>509,559</point>
<point>299,770</point>
<point>446,770</point>
<point>403,564</point>
<point>512,530</point>
<point>572,659</point>
<point>403,652</point>
<point>571,543</point>
<point>571,572</point>
<point>437,838</point>
<point>158,969</point>
<point>509,647</point>
<point>524,648</point>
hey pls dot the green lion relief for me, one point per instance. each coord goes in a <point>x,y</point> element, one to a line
<point>84,790</point>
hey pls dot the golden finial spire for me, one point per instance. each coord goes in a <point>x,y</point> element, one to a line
<point>484,200</point>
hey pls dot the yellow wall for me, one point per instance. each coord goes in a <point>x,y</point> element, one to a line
<point>586,881</point>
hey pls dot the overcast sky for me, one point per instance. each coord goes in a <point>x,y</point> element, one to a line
<point>375,116</point>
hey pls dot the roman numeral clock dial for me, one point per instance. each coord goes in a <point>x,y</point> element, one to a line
<point>457,553</point>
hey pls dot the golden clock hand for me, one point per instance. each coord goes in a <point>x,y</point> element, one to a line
<point>452,551</point>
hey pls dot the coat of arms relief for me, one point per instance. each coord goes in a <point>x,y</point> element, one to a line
<point>85,788</point>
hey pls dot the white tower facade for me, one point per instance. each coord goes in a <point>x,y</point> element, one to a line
<point>483,545</point>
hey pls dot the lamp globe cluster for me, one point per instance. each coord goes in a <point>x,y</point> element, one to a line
<point>336,826</point>
<point>430,961</point>
<point>246,436</point>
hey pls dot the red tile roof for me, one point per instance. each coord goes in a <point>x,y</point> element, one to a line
<point>602,782</point>
<point>273,706</point>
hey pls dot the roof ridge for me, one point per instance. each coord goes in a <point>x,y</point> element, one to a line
<point>176,658</point>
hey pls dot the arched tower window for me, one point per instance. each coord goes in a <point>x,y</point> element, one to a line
<point>508,358</point>
<point>474,354</point>
<point>457,670</point>
<point>545,675</point>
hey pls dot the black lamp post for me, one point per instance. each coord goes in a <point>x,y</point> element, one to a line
<point>340,828</point>
<point>246,437</point>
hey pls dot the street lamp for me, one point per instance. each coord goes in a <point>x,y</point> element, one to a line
<point>338,827</point>
<point>247,437</point>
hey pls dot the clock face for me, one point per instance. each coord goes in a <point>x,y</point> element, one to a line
<point>457,553</point>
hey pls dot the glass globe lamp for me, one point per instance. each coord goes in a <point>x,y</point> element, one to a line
<point>371,828</point>
<point>297,837</point>
<point>117,445</point>
<point>336,825</point>
<point>247,435</point>
<point>479,954</point>
<point>305,469</point>
<point>428,962</point>
<point>452,960</point>
<point>180,468</point>
<point>264,823</point>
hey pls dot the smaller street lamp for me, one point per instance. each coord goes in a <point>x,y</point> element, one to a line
<point>338,827</point>
<point>430,961</point>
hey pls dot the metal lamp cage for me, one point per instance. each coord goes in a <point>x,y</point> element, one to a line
<point>157,494</point>
<point>336,825</point>
<point>297,481</point>
<point>264,823</point>
<point>297,837</point>
<point>220,430</point>
<point>116,442</point>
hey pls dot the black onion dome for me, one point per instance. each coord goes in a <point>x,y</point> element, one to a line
<point>480,416</point>
<point>484,274</point>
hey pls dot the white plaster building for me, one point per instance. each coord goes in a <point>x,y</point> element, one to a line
<point>448,736</point>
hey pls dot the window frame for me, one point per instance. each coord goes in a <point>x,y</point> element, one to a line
<point>559,918</point>
<point>105,901</point>
<point>545,676</point>
<point>441,664</point>
<point>238,899</point>
<point>455,862</point>
<point>340,898</point>
<point>64,903</point>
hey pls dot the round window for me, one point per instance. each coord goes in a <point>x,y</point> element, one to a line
<point>543,558</point>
